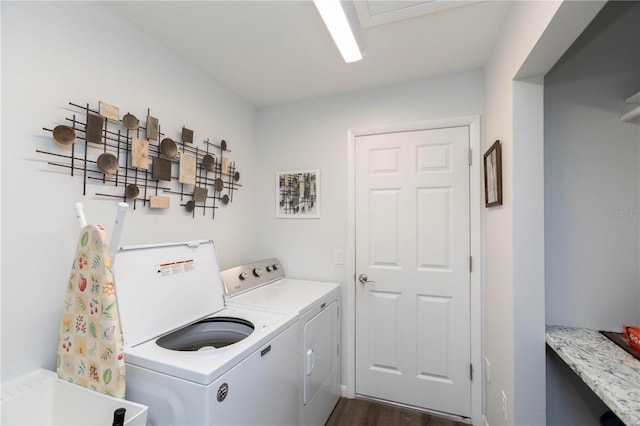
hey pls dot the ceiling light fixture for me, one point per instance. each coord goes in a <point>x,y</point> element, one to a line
<point>337,23</point>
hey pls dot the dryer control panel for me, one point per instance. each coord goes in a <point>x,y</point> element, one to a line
<point>251,275</point>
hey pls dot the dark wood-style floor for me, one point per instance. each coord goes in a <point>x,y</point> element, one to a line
<point>359,412</point>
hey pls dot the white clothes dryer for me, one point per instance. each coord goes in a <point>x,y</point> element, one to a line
<point>318,306</point>
<point>190,358</point>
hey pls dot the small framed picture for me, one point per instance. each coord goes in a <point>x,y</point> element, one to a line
<point>493,175</point>
<point>298,194</point>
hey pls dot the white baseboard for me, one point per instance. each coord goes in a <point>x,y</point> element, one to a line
<point>343,391</point>
<point>485,422</point>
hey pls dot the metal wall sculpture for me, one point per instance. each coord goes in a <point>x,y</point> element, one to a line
<point>141,161</point>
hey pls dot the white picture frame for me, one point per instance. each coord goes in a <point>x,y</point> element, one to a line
<point>298,194</point>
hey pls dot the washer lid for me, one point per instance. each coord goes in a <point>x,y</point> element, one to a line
<point>162,287</point>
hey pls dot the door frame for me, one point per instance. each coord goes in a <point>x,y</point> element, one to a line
<point>475,212</point>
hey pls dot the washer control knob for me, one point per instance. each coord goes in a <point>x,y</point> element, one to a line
<point>257,271</point>
<point>243,276</point>
<point>269,268</point>
<point>223,391</point>
<point>276,266</point>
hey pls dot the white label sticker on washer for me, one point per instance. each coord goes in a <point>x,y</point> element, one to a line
<point>178,267</point>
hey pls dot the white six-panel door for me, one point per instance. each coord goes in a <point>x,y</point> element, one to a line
<point>412,244</point>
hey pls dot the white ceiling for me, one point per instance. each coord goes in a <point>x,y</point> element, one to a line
<point>271,52</point>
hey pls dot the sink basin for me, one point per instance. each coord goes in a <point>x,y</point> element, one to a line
<point>41,398</point>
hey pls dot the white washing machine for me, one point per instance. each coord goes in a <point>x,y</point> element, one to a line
<point>190,358</point>
<point>263,285</point>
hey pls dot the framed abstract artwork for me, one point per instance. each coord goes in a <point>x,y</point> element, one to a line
<point>298,194</point>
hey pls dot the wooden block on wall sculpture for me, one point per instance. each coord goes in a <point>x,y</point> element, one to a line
<point>161,169</point>
<point>158,202</point>
<point>140,153</point>
<point>200,194</point>
<point>187,135</point>
<point>152,128</point>
<point>93,130</point>
<point>187,169</point>
<point>224,168</point>
<point>109,111</point>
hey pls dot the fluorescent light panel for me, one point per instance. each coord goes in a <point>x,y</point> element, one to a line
<point>336,21</point>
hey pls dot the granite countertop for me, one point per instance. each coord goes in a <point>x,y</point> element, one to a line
<point>612,373</point>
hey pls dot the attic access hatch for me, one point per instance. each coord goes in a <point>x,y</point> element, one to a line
<point>373,12</point>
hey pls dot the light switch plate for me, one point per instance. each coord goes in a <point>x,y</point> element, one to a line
<point>338,257</point>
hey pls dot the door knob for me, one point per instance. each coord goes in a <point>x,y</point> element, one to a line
<point>364,279</point>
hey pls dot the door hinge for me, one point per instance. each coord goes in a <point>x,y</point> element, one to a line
<point>470,263</point>
<point>471,372</point>
<point>470,157</point>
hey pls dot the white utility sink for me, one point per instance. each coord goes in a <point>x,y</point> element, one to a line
<point>41,398</point>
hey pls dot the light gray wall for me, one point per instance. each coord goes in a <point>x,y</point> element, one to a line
<point>313,135</point>
<point>533,37</point>
<point>528,248</point>
<point>513,334</point>
<point>592,176</point>
<point>59,52</point>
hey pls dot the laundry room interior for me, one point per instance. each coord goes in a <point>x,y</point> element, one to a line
<point>261,90</point>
